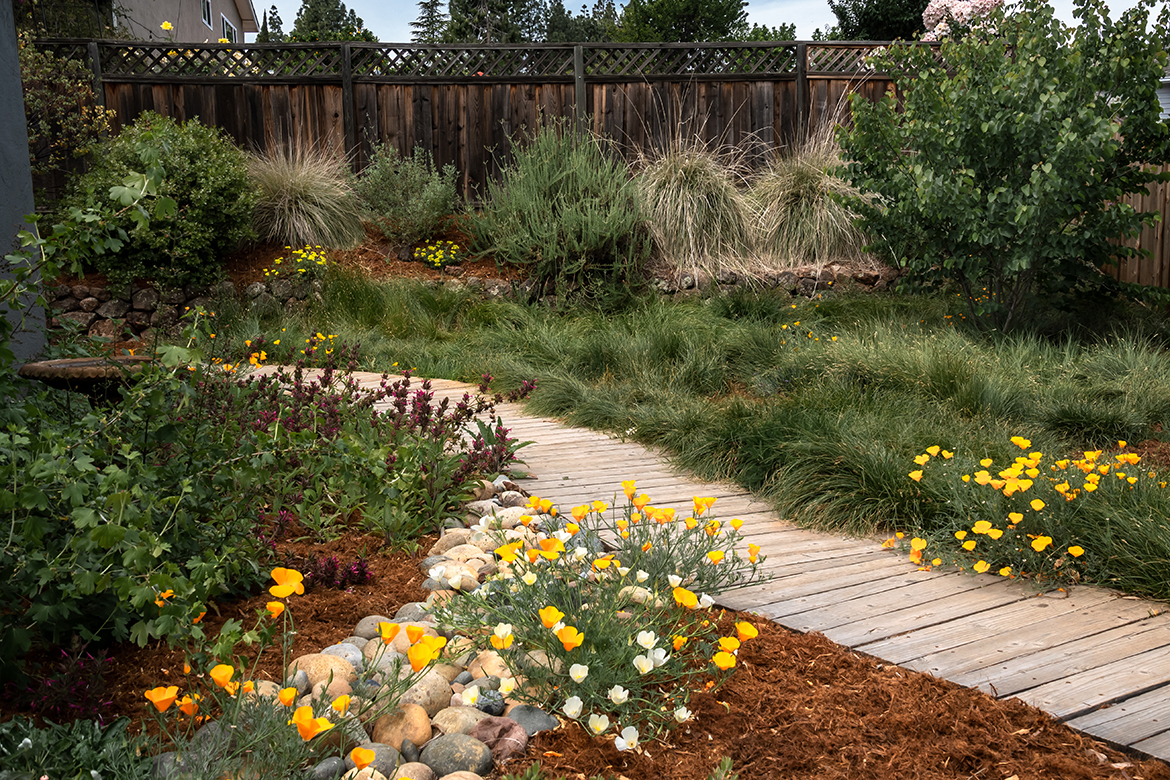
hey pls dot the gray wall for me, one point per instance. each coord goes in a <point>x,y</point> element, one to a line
<point>15,176</point>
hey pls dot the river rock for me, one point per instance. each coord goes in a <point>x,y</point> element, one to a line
<point>320,668</point>
<point>367,627</point>
<point>432,693</point>
<point>505,737</point>
<point>408,721</point>
<point>414,770</point>
<point>458,720</point>
<point>533,719</point>
<point>451,539</point>
<point>386,758</point>
<point>457,752</point>
<point>351,653</point>
<point>489,663</point>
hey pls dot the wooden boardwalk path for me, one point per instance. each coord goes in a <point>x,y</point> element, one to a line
<point>1093,658</point>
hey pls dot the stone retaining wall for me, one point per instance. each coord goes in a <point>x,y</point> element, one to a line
<point>98,312</point>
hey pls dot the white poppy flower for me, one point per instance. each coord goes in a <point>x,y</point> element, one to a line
<point>647,639</point>
<point>706,602</point>
<point>507,685</point>
<point>598,723</point>
<point>642,575</point>
<point>619,695</point>
<point>470,695</point>
<point>578,672</point>
<point>628,740</point>
<point>658,656</point>
<point>674,580</point>
<point>572,706</point>
<point>643,663</point>
<point>529,578</point>
<point>682,714</point>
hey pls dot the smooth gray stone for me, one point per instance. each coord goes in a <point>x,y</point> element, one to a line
<point>329,769</point>
<point>457,753</point>
<point>533,719</point>
<point>386,758</point>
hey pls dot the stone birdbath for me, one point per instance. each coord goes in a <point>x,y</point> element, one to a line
<point>97,377</point>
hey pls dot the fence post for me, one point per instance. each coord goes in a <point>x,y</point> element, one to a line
<point>95,65</point>
<point>347,107</point>
<point>801,88</point>
<point>579,83</point>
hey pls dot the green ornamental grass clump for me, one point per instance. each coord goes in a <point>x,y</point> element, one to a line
<point>204,174</point>
<point>305,197</point>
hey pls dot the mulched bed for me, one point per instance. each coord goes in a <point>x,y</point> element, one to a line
<point>798,705</point>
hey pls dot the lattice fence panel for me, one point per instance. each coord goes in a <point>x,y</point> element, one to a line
<point>429,62</point>
<point>219,60</point>
<point>839,59</point>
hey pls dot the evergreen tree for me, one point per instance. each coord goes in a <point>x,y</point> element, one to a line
<point>328,20</point>
<point>431,23</point>
<point>271,28</point>
<point>878,20</point>
<point>487,21</point>
<point>589,27</point>
<point>682,20</point>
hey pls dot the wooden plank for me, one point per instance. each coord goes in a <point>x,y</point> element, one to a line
<point>1158,746</point>
<point>1130,721</point>
<point>1044,634</point>
<point>1081,692</point>
<point>1068,658</point>
<point>795,585</point>
<point>1003,620</point>
<point>785,612</point>
<point>900,621</point>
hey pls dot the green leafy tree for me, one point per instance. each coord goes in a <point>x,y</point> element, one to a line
<point>496,21</point>
<point>431,22</point>
<point>1006,169</point>
<point>67,18</point>
<point>877,20</point>
<point>762,32</point>
<point>682,20</point>
<point>328,20</point>
<point>271,28</point>
<point>594,26</point>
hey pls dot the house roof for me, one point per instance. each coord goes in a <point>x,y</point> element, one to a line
<point>247,16</point>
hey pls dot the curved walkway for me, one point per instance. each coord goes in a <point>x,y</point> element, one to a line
<point>1093,658</point>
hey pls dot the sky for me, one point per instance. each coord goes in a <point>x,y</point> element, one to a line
<point>390,20</point>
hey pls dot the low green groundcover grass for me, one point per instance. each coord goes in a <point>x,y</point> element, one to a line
<point>823,407</point>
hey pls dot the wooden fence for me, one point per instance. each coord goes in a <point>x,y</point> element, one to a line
<point>468,105</point>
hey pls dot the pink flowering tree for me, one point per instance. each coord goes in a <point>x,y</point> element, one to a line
<point>953,18</point>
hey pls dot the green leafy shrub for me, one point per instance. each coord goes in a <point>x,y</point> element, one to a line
<point>800,217</point>
<point>566,207</point>
<point>409,199</point>
<point>203,173</point>
<point>1006,164</point>
<point>305,197</point>
<point>82,749</point>
<point>62,116</point>
<point>698,214</point>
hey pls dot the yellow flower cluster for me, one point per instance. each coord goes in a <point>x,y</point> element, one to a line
<point>439,254</point>
<point>1025,476</point>
<point>310,261</point>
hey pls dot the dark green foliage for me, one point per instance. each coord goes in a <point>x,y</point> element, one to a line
<point>1007,175</point>
<point>762,32</point>
<point>682,20</point>
<point>567,208</point>
<point>877,20</point>
<point>431,22</point>
<point>66,18</point>
<point>328,20</point>
<point>496,21</point>
<point>78,750</point>
<point>594,26</point>
<point>206,176</point>
<point>271,27</point>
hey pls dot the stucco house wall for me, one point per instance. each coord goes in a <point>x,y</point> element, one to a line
<point>194,21</point>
